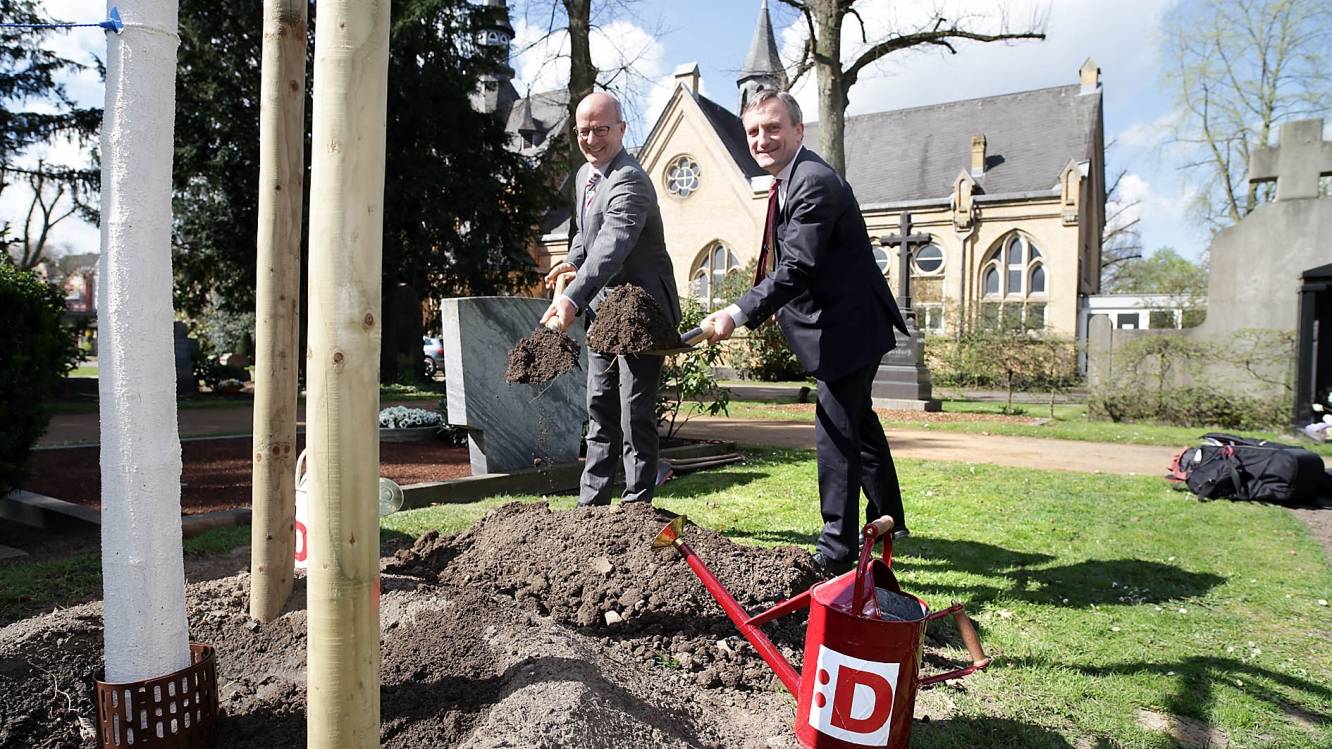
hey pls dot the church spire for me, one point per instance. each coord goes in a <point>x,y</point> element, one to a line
<point>763,66</point>
<point>494,32</point>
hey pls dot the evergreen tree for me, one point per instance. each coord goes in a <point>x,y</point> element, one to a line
<point>460,210</point>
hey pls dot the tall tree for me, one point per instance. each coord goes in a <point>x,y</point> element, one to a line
<point>835,75</point>
<point>35,110</point>
<point>459,207</point>
<point>1121,240</point>
<point>1238,69</point>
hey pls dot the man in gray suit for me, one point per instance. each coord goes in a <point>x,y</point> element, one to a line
<point>619,240</point>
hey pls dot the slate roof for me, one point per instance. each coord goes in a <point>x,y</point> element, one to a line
<point>763,58</point>
<point>732,134</point>
<point>914,154</point>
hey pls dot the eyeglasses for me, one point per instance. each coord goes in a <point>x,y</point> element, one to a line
<point>586,132</point>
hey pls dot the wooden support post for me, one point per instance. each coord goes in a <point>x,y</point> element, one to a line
<point>342,374</point>
<point>277,295</point>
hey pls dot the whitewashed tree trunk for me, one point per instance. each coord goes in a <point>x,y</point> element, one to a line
<point>342,374</point>
<point>143,577</point>
<point>277,295</point>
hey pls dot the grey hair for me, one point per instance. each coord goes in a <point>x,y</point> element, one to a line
<point>764,95</point>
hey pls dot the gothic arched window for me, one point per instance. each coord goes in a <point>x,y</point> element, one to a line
<point>1013,285</point>
<point>709,272</point>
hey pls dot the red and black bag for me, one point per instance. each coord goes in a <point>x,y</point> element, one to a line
<point>1232,467</point>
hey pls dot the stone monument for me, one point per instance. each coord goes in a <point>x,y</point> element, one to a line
<point>903,381</point>
<point>510,427</point>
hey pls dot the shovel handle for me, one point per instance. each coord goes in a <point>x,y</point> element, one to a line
<point>692,337</point>
<point>560,282</point>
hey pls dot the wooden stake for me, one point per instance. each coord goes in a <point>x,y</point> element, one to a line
<point>277,294</point>
<point>342,375</point>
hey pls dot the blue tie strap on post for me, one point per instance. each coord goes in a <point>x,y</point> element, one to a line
<point>112,23</point>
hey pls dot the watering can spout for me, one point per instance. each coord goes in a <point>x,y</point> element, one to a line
<point>671,535</point>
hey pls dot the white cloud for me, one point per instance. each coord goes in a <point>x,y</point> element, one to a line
<point>631,59</point>
<point>1118,36</point>
<point>1148,135</point>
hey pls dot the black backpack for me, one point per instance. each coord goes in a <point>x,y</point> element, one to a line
<point>1227,466</point>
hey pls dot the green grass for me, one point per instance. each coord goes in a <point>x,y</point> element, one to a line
<point>27,589</point>
<point>1098,595</point>
<point>83,372</point>
<point>1077,583</point>
<point>1069,423</point>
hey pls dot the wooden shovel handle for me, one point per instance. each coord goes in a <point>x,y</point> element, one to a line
<point>692,337</point>
<point>561,281</point>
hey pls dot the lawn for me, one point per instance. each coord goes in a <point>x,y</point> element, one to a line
<point>1069,423</point>
<point>1109,602</point>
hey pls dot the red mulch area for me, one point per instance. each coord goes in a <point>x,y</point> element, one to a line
<point>216,474</point>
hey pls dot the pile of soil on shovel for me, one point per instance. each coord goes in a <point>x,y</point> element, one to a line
<point>541,357</point>
<point>629,321</point>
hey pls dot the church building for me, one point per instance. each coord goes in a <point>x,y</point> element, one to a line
<point>1007,193</point>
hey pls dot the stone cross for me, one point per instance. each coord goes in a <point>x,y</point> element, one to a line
<point>906,242</point>
<point>1297,163</point>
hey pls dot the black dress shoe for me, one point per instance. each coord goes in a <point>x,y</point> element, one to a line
<point>832,567</point>
<point>901,533</point>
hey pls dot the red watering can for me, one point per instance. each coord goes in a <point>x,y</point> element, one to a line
<point>863,647</point>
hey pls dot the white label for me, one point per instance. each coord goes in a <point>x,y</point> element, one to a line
<point>853,698</point>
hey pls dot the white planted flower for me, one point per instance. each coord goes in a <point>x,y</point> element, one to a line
<point>401,417</point>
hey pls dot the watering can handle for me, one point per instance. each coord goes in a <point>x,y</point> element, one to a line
<point>967,629</point>
<point>864,589</point>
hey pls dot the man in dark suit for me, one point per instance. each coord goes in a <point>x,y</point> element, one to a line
<point>619,240</point>
<point>817,274</point>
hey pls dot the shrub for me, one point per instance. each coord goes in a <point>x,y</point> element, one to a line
<point>1190,406</point>
<point>1016,360</point>
<point>688,378</point>
<point>36,352</point>
<point>763,353</point>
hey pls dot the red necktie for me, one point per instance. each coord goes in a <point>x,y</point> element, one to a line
<point>768,252</point>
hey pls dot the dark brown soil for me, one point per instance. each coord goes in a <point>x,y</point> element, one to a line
<point>216,474</point>
<point>541,357</point>
<point>496,637</point>
<point>629,321</point>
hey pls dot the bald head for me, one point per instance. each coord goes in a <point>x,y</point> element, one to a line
<point>599,127</point>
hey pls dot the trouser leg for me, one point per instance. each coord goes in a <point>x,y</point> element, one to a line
<point>603,429</point>
<point>878,474</point>
<point>640,378</point>
<point>841,409</point>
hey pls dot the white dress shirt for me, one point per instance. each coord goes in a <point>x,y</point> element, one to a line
<point>784,181</point>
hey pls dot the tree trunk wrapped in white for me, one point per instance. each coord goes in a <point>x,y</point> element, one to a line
<point>342,380</point>
<point>277,294</point>
<point>143,577</point>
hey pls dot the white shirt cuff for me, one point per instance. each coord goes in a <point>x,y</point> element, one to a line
<point>737,315</point>
<point>571,301</point>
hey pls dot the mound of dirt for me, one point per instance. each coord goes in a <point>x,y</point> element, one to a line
<point>629,321</point>
<point>534,629</point>
<point>541,357</point>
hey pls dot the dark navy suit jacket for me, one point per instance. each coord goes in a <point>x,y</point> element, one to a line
<point>830,297</point>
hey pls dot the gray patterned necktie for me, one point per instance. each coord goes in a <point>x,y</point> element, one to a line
<point>589,195</point>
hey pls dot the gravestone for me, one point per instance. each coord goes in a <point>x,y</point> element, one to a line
<point>510,427</point>
<point>903,380</point>
<point>185,349</point>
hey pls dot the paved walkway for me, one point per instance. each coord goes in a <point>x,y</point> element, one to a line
<point>1021,452</point>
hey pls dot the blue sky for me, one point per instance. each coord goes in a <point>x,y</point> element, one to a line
<point>1123,37</point>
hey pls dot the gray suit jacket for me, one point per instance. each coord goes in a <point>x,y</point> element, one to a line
<point>620,239</point>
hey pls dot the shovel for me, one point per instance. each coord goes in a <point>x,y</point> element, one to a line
<point>689,339</point>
